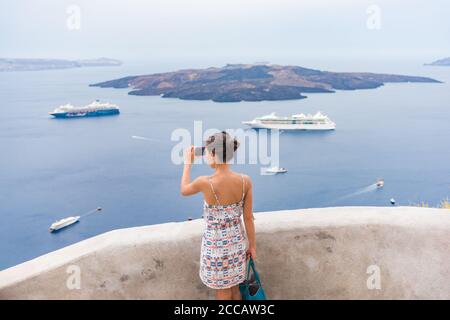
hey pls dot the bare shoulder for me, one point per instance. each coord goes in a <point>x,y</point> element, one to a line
<point>201,181</point>
<point>247,180</point>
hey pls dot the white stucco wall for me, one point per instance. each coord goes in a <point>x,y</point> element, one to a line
<point>302,254</point>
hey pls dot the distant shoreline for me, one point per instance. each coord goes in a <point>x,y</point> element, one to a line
<point>10,64</point>
<point>445,62</point>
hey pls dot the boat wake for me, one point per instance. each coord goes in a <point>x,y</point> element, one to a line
<point>142,138</point>
<point>265,172</point>
<point>369,188</point>
<point>91,212</point>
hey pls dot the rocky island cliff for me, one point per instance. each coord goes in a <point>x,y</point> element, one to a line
<point>251,82</point>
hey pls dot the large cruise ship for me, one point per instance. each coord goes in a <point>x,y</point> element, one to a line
<point>95,109</point>
<point>300,121</point>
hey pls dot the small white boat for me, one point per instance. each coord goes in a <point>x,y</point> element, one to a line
<point>276,170</point>
<point>380,183</point>
<point>63,223</point>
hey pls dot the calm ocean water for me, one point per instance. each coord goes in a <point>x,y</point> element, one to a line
<point>51,168</point>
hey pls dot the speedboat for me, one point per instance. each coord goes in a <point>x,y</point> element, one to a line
<point>276,170</point>
<point>63,223</point>
<point>380,183</point>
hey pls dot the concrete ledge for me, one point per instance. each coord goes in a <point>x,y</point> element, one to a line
<point>302,254</point>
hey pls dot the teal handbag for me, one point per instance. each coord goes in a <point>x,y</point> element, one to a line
<point>251,288</point>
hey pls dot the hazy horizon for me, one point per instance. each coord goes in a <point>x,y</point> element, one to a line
<point>231,30</point>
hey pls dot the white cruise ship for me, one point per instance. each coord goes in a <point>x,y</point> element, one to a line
<point>300,121</point>
<point>95,109</point>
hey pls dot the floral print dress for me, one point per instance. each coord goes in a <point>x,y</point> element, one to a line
<point>223,252</point>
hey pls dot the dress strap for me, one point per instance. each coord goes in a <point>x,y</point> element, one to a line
<point>243,187</point>
<point>214,193</point>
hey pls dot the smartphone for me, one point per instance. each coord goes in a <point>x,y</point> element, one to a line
<point>199,151</point>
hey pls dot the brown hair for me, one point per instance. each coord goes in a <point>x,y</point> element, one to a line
<point>222,146</point>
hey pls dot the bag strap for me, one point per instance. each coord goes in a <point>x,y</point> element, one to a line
<point>251,264</point>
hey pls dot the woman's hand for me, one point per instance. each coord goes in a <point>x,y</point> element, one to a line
<point>251,252</point>
<point>189,155</point>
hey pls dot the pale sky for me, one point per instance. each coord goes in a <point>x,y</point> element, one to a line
<point>260,29</point>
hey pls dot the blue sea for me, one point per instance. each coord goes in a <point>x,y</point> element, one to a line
<point>51,169</point>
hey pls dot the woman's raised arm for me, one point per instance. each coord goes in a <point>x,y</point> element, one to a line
<point>187,187</point>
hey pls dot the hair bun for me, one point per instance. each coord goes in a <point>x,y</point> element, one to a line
<point>222,146</point>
